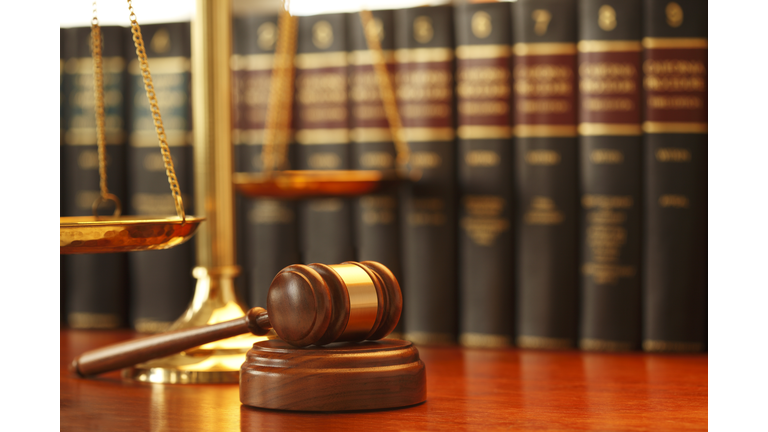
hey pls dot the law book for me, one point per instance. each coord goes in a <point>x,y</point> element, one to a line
<point>267,228</point>
<point>161,283</point>
<point>675,163</point>
<point>321,124</point>
<point>96,295</point>
<point>424,56</point>
<point>485,174</point>
<point>376,216</point>
<point>546,180</point>
<point>610,141</point>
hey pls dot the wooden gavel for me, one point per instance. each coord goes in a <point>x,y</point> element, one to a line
<point>312,304</point>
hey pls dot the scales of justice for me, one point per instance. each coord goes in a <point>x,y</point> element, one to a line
<point>320,343</point>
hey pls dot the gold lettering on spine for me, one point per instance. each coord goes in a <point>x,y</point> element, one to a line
<point>426,212</point>
<point>606,17</point>
<point>542,17</point>
<point>483,222</point>
<point>543,211</point>
<point>378,210</point>
<point>606,236</point>
<point>671,154</point>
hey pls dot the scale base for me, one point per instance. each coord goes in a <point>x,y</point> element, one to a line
<point>338,377</point>
<point>191,367</point>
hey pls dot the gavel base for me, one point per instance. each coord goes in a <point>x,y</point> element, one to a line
<point>338,377</point>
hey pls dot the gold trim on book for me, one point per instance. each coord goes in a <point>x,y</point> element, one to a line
<point>85,65</point>
<point>672,43</point>
<point>484,132</point>
<point>321,60</point>
<point>674,127</point>
<point>539,342</point>
<point>482,340</point>
<point>149,325</point>
<point>482,51</point>
<point>248,136</point>
<point>588,46</point>
<point>366,57</point>
<point>162,65</point>
<point>428,134</point>
<point>146,138</point>
<point>670,346</point>
<point>609,129</point>
<point>425,338</point>
<point>587,344</point>
<point>542,49</point>
<point>423,55</point>
<point>546,130</point>
<point>322,136</point>
<point>251,62</point>
<point>370,134</point>
<point>87,136</point>
<point>88,320</point>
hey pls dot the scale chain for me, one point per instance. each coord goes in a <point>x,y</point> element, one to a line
<point>98,92</point>
<point>155,109</point>
<point>278,125</point>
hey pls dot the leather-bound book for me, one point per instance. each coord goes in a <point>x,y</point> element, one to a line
<point>610,173</point>
<point>321,122</point>
<point>376,216</point>
<point>546,162</point>
<point>161,281</point>
<point>96,295</point>
<point>675,162</point>
<point>485,173</point>
<point>424,56</point>
<point>267,228</point>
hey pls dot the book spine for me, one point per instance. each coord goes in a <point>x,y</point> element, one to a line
<point>424,57</point>
<point>267,227</point>
<point>610,161</point>
<point>161,281</point>
<point>675,158</point>
<point>322,133</point>
<point>376,216</point>
<point>96,295</point>
<point>546,162</point>
<point>485,174</point>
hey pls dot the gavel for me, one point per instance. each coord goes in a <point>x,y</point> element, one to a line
<point>313,304</point>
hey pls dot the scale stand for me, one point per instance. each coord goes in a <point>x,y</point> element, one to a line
<point>216,362</point>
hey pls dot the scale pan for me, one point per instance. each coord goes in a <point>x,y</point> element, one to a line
<point>309,183</point>
<point>105,234</point>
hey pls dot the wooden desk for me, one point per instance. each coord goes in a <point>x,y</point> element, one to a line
<point>467,389</point>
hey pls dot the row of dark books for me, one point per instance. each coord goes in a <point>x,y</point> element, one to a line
<point>562,148</point>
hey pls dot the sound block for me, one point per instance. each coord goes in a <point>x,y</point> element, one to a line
<point>337,377</point>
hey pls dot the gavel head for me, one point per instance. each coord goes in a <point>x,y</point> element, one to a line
<point>317,304</point>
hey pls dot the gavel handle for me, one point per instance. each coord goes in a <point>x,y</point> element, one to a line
<point>136,351</point>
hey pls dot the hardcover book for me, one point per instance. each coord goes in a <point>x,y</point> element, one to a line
<point>485,173</point>
<point>675,161</point>
<point>610,178</point>
<point>321,119</point>
<point>376,216</point>
<point>424,54</point>
<point>96,295</point>
<point>161,281</point>
<point>546,161</point>
<point>267,228</point>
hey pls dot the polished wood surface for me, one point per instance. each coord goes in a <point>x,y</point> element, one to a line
<point>343,376</point>
<point>467,389</point>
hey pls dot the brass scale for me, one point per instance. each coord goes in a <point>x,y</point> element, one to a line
<point>118,233</point>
